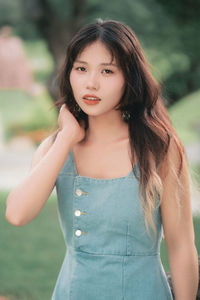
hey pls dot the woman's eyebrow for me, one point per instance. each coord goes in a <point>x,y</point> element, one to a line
<point>102,64</point>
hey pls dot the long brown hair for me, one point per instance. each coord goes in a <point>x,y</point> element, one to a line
<point>150,129</point>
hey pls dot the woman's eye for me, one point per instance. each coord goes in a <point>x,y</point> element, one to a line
<point>80,69</point>
<point>107,71</point>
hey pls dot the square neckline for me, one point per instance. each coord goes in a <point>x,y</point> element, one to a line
<point>100,179</point>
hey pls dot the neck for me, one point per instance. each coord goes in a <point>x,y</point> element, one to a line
<point>106,128</point>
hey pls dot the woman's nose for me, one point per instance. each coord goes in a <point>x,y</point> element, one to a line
<point>92,81</point>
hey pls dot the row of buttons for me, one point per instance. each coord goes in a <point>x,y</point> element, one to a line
<point>77,212</point>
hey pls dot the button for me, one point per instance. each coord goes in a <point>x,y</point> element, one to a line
<point>77,213</point>
<point>79,192</point>
<point>78,232</point>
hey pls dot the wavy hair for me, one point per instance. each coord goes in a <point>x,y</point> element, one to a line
<point>150,129</point>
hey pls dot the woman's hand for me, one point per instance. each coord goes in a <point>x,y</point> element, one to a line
<point>68,123</point>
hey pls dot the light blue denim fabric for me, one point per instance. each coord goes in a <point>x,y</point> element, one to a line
<point>113,258</point>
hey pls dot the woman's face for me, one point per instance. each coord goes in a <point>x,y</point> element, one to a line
<point>93,74</point>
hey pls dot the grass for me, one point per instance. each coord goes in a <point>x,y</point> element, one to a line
<point>31,256</point>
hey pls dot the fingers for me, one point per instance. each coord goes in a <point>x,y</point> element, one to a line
<point>62,107</point>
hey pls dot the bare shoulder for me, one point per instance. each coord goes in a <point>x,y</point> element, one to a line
<point>43,148</point>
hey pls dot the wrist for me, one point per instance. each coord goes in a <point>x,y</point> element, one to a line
<point>66,136</point>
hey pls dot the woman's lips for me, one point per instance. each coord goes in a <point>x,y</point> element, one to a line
<point>91,102</point>
<point>91,99</point>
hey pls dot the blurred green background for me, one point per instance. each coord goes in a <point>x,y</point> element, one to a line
<point>31,256</point>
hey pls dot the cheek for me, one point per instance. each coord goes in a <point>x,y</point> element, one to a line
<point>71,79</point>
<point>74,82</point>
<point>120,84</point>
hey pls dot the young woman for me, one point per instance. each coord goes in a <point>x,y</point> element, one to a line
<point>121,175</point>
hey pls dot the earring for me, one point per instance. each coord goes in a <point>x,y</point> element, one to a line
<point>76,109</point>
<point>126,115</point>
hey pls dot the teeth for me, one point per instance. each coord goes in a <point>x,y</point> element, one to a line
<point>91,98</point>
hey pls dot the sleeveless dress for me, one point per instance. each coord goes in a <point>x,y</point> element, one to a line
<point>109,254</point>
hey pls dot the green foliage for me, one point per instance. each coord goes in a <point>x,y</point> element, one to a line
<point>62,8</point>
<point>170,47</point>
<point>40,59</point>
<point>14,104</point>
<point>146,18</point>
<point>185,117</point>
<point>185,16</point>
<point>27,30</point>
<point>11,12</point>
<point>167,30</point>
<point>163,66</point>
<point>183,12</point>
<point>41,114</point>
<point>22,113</point>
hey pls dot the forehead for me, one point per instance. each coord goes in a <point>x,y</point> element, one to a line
<point>97,51</point>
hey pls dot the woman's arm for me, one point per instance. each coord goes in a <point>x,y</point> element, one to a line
<point>25,201</point>
<point>179,233</point>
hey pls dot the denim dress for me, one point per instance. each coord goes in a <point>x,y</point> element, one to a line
<point>109,254</point>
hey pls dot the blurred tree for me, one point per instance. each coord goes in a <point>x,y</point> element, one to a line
<point>185,15</point>
<point>10,12</point>
<point>57,21</point>
<point>168,40</point>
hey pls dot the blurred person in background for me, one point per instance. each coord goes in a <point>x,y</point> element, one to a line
<point>15,71</point>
